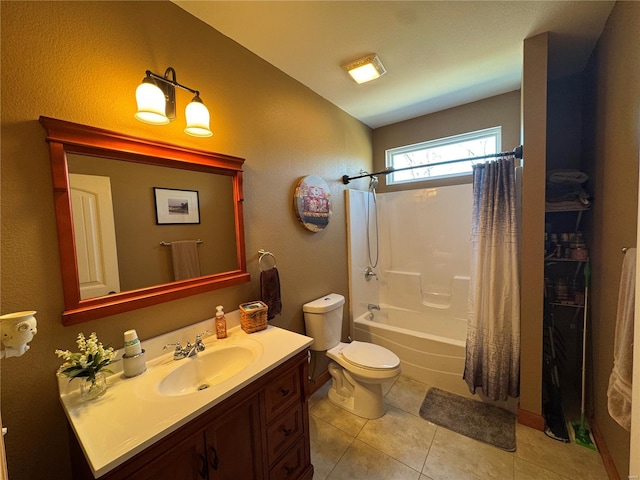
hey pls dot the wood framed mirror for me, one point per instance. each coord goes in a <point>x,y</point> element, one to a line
<point>136,242</point>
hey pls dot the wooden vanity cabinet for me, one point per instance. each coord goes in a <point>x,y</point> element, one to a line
<point>233,443</point>
<point>259,433</point>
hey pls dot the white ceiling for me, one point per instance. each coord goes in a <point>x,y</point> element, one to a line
<point>437,54</point>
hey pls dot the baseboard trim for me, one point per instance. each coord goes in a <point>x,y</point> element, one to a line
<point>607,459</point>
<point>530,419</point>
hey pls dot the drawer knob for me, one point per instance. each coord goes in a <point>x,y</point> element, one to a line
<point>285,391</point>
<point>287,431</point>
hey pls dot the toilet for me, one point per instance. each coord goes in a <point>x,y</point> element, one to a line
<point>358,369</point>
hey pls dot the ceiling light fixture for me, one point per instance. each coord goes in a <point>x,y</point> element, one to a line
<point>366,68</point>
<point>156,99</point>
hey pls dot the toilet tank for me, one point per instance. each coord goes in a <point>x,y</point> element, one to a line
<point>323,321</point>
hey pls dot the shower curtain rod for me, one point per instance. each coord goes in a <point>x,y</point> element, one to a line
<point>517,152</point>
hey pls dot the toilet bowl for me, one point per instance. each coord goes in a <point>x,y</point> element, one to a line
<point>358,369</point>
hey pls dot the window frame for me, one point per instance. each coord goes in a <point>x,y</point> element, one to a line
<point>436,143</point>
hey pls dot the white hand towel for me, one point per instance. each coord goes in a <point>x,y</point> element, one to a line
<point>619,391</point>
<point>184,254</point>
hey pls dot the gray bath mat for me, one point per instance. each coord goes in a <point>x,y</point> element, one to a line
<point>471,418</point>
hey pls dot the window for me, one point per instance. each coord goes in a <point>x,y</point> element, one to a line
<point>472,144</point>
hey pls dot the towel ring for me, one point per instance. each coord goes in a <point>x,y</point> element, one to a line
<point>264,253</point>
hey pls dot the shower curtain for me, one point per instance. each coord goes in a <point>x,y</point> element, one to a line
<point>493,331</point>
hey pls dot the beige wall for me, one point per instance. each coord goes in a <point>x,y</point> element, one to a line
<point>612,149</point>
<point>534,128</point>
<point>502,110</point>
<point>81,62</point>
<point>142,261</point>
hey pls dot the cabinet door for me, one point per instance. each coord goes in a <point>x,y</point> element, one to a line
<point>184,461</point>
<point>233,443</point>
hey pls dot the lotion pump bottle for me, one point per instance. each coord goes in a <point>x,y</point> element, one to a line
<point>221,323</point>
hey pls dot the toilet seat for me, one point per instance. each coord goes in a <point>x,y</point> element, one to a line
<point>369,356</point>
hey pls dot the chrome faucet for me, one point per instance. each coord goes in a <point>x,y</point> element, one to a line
<point>369,274</point>
<point>189,350</point>
<point>371,307</point>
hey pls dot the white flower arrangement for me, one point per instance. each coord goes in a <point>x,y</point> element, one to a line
<point>92,358</point>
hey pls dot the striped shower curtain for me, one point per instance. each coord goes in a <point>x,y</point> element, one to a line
<point>493,330</point>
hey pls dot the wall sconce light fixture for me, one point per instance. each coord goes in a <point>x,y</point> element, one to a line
<point>366,68</point>
<point>156,98</point>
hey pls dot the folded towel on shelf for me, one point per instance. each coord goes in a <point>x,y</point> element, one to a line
<point>566,190</point>
<point>563,206</point>
<point>270,291</point>
<point>619,390</point>
<point>567,176</point>
<point>561,190</point>
<point>184,256</point>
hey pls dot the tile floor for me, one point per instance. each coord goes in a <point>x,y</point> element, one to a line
<point>403,446</point>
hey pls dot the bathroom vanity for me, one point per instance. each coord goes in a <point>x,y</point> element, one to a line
<point>252,425</point>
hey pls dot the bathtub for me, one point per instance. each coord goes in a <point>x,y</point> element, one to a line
<point>430,343</point>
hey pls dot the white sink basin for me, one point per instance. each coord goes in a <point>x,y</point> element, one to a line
<point>206,369</point>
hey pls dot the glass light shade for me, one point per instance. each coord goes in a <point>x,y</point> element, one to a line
<point>365,73</point>
<point>366,68</point>
<point>151,104</point>
<point>197,119</point>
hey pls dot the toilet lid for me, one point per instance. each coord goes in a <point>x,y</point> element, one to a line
<point>370,356</point>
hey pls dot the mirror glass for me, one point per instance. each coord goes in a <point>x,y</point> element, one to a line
<point>141,222</point>
<point>143,253</point>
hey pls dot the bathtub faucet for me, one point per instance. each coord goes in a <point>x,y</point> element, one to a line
<point>369,274</point>
<point>371,307</point>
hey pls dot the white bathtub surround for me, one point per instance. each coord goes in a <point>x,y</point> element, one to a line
<point>134,413</point>
<point>423,280</point>
<point>361,292</point>
<point>430,358</point>
<point>493,334</point>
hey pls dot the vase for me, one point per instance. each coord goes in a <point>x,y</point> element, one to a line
<point>16,331</point>
<point>91,389</point>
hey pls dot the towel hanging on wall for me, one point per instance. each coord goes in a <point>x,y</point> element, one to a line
<point>184,255</point>
<point>270,285</point>
<point>619,391</point>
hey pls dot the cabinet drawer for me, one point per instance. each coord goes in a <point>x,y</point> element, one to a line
<point>282,393</point>
<point>283,431</point>
<point>291,466</point>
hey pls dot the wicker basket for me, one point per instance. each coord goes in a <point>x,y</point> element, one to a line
<point>253,316</point>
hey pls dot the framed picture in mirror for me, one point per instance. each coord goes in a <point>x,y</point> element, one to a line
<point>174,206</point>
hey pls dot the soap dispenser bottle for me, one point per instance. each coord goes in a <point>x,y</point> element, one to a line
<point>221,323</point>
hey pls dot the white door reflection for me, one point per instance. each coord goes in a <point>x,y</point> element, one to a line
<point>95,235</point>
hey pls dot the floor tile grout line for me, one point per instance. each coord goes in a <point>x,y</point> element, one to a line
<point>424,464</point>
<point>352,438</point>
<point>386,455</point>
<point>341,429</point>
<point>390,456</point>
<point>341,456</point>
<point>543,467</point>
<point>406,401</point>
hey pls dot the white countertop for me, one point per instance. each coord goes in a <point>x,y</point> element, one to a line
<point>133,414</point>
